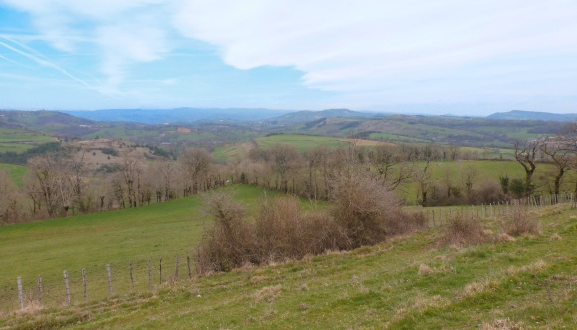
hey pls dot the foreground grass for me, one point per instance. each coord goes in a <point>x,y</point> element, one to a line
<point>405,283</point>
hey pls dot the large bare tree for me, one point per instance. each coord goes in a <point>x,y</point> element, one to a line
<point>195,164</point>
<point>527,154</point>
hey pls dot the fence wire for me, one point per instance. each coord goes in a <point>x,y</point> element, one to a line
<point>92,283</point>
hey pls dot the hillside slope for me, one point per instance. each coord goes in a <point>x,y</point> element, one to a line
<point>405,283</point>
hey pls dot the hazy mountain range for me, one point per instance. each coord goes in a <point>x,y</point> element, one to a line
<point>187,115</point>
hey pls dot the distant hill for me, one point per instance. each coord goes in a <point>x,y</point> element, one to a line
<point>532,115</point>
<point>177,115</point>
<point>308,116</point>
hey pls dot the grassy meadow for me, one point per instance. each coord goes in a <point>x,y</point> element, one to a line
<point>410,282</point>
<point>19,140</point>
<point>15,172</point>
<point>164,230</point>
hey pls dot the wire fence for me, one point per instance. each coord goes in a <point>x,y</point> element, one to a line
<point>92,283</point>
<point>98,282</point>
<point>440,215</point>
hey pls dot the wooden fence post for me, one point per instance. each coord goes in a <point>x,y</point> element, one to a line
<point>188,266</point>
<point>131,277</point>
<point>160,271</point>
<point>149,275</point>
<point>20,292</point>
<point>109,279</point>
<point>39,290</point>
<point>68,297</point>
<point>84,284</point>
<point>176,271</point>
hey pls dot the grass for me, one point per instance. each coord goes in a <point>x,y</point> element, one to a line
<point>163,230</point>
<point>301,142</point>
<point>405,283</point>
<point>15,172</point>
<point>19,140</point>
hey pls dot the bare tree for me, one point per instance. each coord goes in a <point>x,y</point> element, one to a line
<point>421,171</point>
<point>388,163</point>
<point>561,156</point>
<point>48,185</point>
<point>526,154</point>
<point>285,158</point>
<point>195,164</point>
<point>9,202</point>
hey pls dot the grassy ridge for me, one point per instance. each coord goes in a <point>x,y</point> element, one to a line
<point>406,283</point>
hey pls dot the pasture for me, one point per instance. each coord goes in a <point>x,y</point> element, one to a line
<point>163,230</point>
<point>410,282</point>
<point>15,172</point>
<point>20,140</point>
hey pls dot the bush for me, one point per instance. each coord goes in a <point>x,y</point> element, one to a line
<point>367,212</point>
<point>229,243</point>
<point>283,232</point>
<point>489,192</point>
<point>280,232</point>
<point>520,222</point>
<point>462,231</point>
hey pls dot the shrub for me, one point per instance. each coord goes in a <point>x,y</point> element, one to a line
<point>367,212</point>
<point>280,232</point>
<point>462,231</point>
<point>283,232</point>
<point>229,243</point>
<point>520,222</point>
<point>489,192</point>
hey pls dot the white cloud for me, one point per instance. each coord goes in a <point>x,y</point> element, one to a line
<point>123,31</point>
<point>388,51</point>
<point>383,45</point>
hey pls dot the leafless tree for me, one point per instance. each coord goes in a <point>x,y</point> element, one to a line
<point>526,154</point>
<point>389,164</point>
<point>285,158</point>
<point>195,164</point>
<point>561,156</point>
<point>9,202</point>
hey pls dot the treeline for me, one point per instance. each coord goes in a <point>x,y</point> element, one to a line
<point>11,157</point>
<point>60,182</point>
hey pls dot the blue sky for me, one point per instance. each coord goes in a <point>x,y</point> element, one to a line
<point>436,57</point>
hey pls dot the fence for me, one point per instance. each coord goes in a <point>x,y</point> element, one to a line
<point>97,282</point>
<point>440,215</point>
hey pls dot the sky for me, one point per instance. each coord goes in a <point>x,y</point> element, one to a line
<point>411,56</point>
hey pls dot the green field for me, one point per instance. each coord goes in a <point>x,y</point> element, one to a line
<point>301,143</point>
<point>15,172</point>
<point>18,140</point>
<point>489,171</point>
<point>405,283</point>
<point>164,230</point>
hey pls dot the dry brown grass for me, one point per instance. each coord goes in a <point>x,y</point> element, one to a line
<point>267,294</point>
<point>521,222</point>
<point>503,324</point>
<point>425,270</point>
<point>462,231</point>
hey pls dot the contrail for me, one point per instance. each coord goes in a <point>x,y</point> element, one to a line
<point>12,61</point>
<point>46,63</point>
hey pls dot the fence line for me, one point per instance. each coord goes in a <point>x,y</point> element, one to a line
<point>89,284</point>
<point>101,281</point>
<point>442,214</point>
